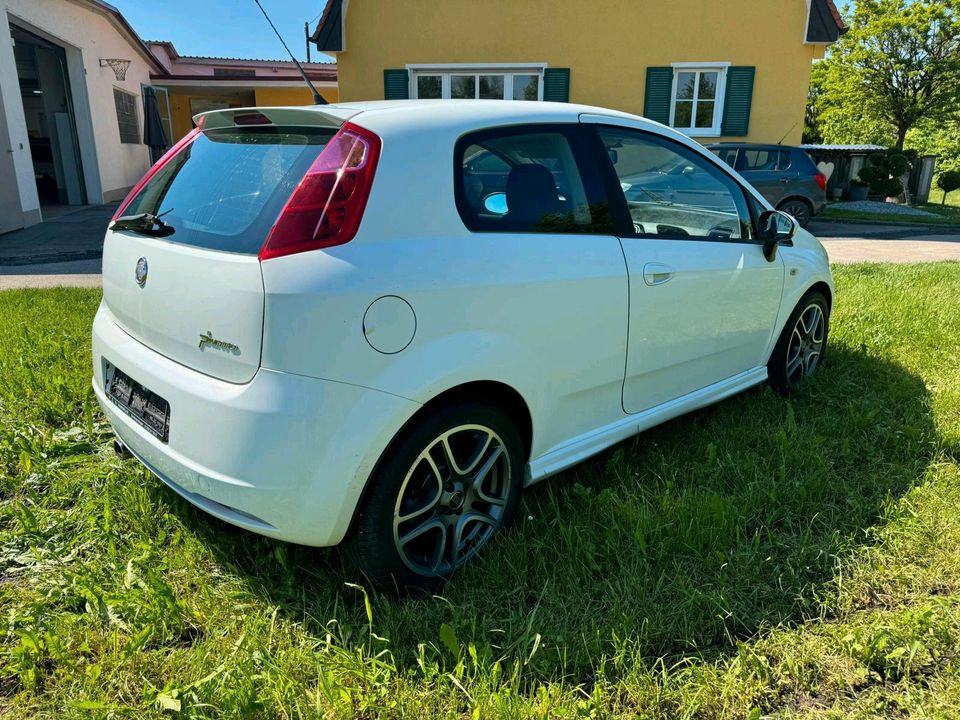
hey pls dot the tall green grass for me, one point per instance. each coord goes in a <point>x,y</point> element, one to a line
<point>763,557</point>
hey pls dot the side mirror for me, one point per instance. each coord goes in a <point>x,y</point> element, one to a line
<point>775,227</point>
<point>496,203</point>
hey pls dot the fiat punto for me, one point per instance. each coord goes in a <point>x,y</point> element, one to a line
<point>378,322</point>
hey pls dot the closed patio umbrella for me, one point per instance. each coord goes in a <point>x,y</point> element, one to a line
<point>153,134</point>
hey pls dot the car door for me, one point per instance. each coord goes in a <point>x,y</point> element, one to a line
<point>541,275</point>
<point>703,297</point>
<point>760,166</point>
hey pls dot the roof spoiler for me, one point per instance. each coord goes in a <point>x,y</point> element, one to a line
<point>276,116</point>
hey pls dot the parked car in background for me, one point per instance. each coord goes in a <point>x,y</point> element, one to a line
<point>378,322</point>
<point>784,175</point>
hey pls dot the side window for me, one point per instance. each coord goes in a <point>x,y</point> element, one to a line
<point>761,159</point>
<point>728,155</point>
<point>784,160</point>
<point>671,191</point>
<point>525,180</point>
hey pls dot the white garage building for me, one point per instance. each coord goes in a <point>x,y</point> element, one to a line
<point>71,108</point>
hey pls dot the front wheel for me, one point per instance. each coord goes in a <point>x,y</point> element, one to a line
<point>802,344</point>
<point>439,495</point>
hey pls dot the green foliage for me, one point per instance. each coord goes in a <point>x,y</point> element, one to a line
<point>948,181</point>
<point>760,558</point>
<point>938,138</point>
<point>896,67</point>
<point>882,172</point>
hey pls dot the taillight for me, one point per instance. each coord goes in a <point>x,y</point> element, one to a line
<point>327,205</point>
<point>821,180</point>
<point>182,143</point>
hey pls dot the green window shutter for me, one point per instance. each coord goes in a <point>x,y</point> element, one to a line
<point>737,101</point>
<point>396,85</point>
<point>556,84</point>
<point>658,94</point>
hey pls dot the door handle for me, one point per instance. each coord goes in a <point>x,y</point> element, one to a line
<point>656,273</point>
<point>784,180</point>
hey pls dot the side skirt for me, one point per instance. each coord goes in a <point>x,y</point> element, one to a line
<point>580,448</point>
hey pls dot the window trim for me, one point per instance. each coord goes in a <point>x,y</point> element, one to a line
<point>620,210</point>
<point>581,146</point>
<point>448,70</point>
<point>699,67</point>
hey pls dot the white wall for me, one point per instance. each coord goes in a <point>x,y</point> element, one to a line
<point>88,35</point>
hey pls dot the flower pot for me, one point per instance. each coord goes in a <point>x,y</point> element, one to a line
<point>857,193</point>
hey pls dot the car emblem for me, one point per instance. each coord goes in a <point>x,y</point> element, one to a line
<point>141,273</point>
<point>209,340</point>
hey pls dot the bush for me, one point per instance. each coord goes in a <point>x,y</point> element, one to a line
<point>882,172</point>
<point>948,181</point>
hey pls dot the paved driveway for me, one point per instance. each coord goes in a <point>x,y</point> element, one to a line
<point>66,251</point>
<point>863,242</point>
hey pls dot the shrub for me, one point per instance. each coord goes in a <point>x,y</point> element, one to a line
<point>882,172</point>
<point>948,181</point>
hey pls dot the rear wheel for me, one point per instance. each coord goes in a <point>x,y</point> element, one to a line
<point>802,344</point>
<point>800,210</point>
<point>439,495</point>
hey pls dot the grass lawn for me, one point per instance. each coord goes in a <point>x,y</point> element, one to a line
<point>762,557</point>
<point>944,215</point>
<point>953,199</point>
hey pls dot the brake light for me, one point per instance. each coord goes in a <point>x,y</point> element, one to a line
<point>327,205</point>
<point>821,180</point>
<point>182,143</point>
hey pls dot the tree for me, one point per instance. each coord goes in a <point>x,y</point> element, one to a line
<point>948,181</point>
<point>896,67</point>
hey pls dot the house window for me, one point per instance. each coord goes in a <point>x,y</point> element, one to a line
<point>126,104</point>
<point>697,103</point>
<point>477,83</point>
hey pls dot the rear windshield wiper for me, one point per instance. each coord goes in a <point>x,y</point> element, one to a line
<point>144,223</point>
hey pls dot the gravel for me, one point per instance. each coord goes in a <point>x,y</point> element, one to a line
<point>881,208</point>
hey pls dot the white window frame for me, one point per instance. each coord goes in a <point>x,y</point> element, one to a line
<point>448,70</point>
<point>698,67</point>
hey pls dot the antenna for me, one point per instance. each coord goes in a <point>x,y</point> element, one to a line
<point>780,141</point>
<point>317,98</point>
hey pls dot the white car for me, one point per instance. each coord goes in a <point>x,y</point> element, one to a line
<point>378,322</point>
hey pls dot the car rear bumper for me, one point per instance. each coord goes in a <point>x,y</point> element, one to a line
<point>284,455</point>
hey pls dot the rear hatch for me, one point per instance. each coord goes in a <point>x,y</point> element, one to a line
<point>191,287</point>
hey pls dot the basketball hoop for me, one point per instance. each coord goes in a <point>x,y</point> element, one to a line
<point>118,66</point>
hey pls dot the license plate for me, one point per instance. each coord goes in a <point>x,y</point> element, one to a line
<point>146,408</point>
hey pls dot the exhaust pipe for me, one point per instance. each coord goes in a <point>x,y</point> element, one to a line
<point>121,450</point>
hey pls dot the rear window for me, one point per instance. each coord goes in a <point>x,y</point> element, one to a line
<point>225,190</point>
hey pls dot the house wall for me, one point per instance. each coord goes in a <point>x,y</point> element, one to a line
<point>182,116</point>
<point>110,167</point>
<point>607,44</point>
<point>181,112</point>
<point>267,96</point>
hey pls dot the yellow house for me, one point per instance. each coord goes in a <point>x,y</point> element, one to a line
<point>737,69</point>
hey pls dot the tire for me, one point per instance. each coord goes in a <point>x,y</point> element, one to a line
<point>802,344</point>
<point>799,209</point>
<point>439,494</point>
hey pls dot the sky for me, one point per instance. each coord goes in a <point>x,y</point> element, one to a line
<point>225,28</point>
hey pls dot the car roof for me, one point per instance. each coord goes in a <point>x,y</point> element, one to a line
<point>758,146</point>
<point>465,115</point>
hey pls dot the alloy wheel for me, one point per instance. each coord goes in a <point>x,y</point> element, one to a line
<point>798,210</point>
<point>806,344</point>
<point>452,500</point>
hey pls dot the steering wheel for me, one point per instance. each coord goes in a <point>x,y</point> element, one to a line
<point>723,230</point>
